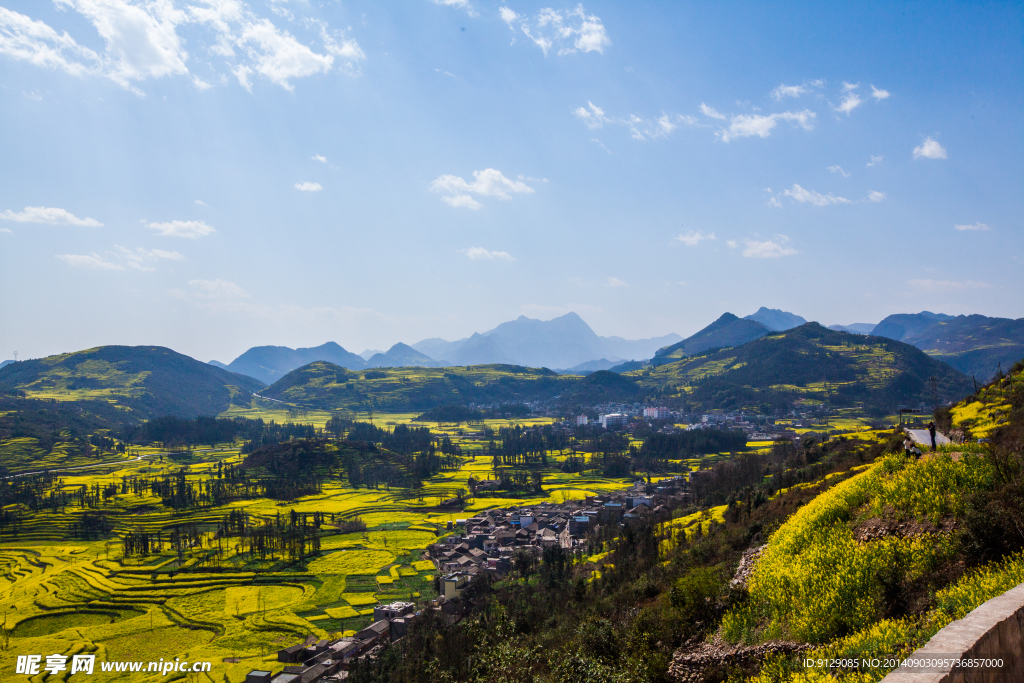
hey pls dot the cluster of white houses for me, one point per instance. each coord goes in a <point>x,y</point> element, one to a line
<point>486,543</point>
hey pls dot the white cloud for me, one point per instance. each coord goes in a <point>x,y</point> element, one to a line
<point>976,226</point>
<point>839,170</point>
<point>711,112</point>
<point>876,196</point>
<point>929,149</point>
<point>477,253</point>
<point>732,244</point>
<point>616,282</point>
<point>217,289</point>
<point>35,42</point>
<point>747,125</point>
<point>458,4</point>
<point>876,160</point>
<point>768,248</point>
<point>200,202</point>
<point>320,158</point>
<point>847,87</point>
<point>946,286</point>
<point>788,91</point>
<point>774,202</point>
<point>307,186</point>
<point>120,258</point>
<point>593,117</point>
<point>879,94</point>
<point>805,196</point>
<point>849,103</point>
<point>50,216</point>
<point>141,41</point>
<point>693,238</point>
<point>188,229</point>
<point>571,30</point>
<point>489,182</point>
<point>94,261</point>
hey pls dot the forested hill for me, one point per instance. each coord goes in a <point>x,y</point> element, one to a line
<point>325,385</point>
<point>809,362</point>
<point>148,380</point>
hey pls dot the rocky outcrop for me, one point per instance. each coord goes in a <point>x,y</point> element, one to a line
<point>746,568</point>
<point>713,661</point>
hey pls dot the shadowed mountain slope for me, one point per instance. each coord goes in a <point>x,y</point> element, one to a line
<point>269,363</point>
<point>728,330</point>
<point>776,320</point>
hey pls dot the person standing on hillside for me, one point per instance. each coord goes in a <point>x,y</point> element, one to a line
<point>931,433</point>
<point>908,445</point>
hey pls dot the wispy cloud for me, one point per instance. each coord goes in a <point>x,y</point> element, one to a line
<point>489,182</point>
<point>851,100</point>
<point>566,31</point>
<point>478,253</point>
<point>322,159</point>
<point>120,259</point>
<point>693,238</point>
<point>308,186</point>
<point>769,248</point>
<point>879,94</point>
<point>839,170</point>
<point>876,196</point>
<point>200,202</point>
<point>187,229</point>
<point>747,125</point>
<point>217,289</point>
<point>795,90</point>
<point>979,227</point>
<point>92,261</point>
<point>875,160</point>
<point>48,216</point>
<point>615,282</point>
<point>929,149</point>
<point>805,196</point>
<point>947,286</point>
<point>594,117</point>
<point>458,4</point>
<point>711,112</point>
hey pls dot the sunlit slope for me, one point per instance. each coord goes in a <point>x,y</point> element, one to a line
<point>808,362</point>
<point>149,380</point>
<point>323,384</point>
<point>982,413</point>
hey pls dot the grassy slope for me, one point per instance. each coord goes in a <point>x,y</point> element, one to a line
<point>807,362</point>
<point>149,380</point>
<point>823,582</point>
<point>323,384</point>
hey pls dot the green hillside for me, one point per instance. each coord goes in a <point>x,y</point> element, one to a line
<point>147,380</point>
<point>328,386</point>
<point>809,363</point>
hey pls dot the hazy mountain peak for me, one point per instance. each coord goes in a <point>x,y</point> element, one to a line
<point>775,319</point>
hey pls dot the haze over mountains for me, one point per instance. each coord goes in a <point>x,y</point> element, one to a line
<point>562,343</point>
<point>974,344</point>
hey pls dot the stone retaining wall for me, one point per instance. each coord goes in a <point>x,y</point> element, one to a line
<point>992,630</point>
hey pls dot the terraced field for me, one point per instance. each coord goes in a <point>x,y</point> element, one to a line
<point>64,594</point>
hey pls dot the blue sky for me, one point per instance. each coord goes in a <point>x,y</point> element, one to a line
<point>211,175</point>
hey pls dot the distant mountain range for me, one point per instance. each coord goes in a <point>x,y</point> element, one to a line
<point>855,328</point>
<point>564,342</point>
<point>973,344</point>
